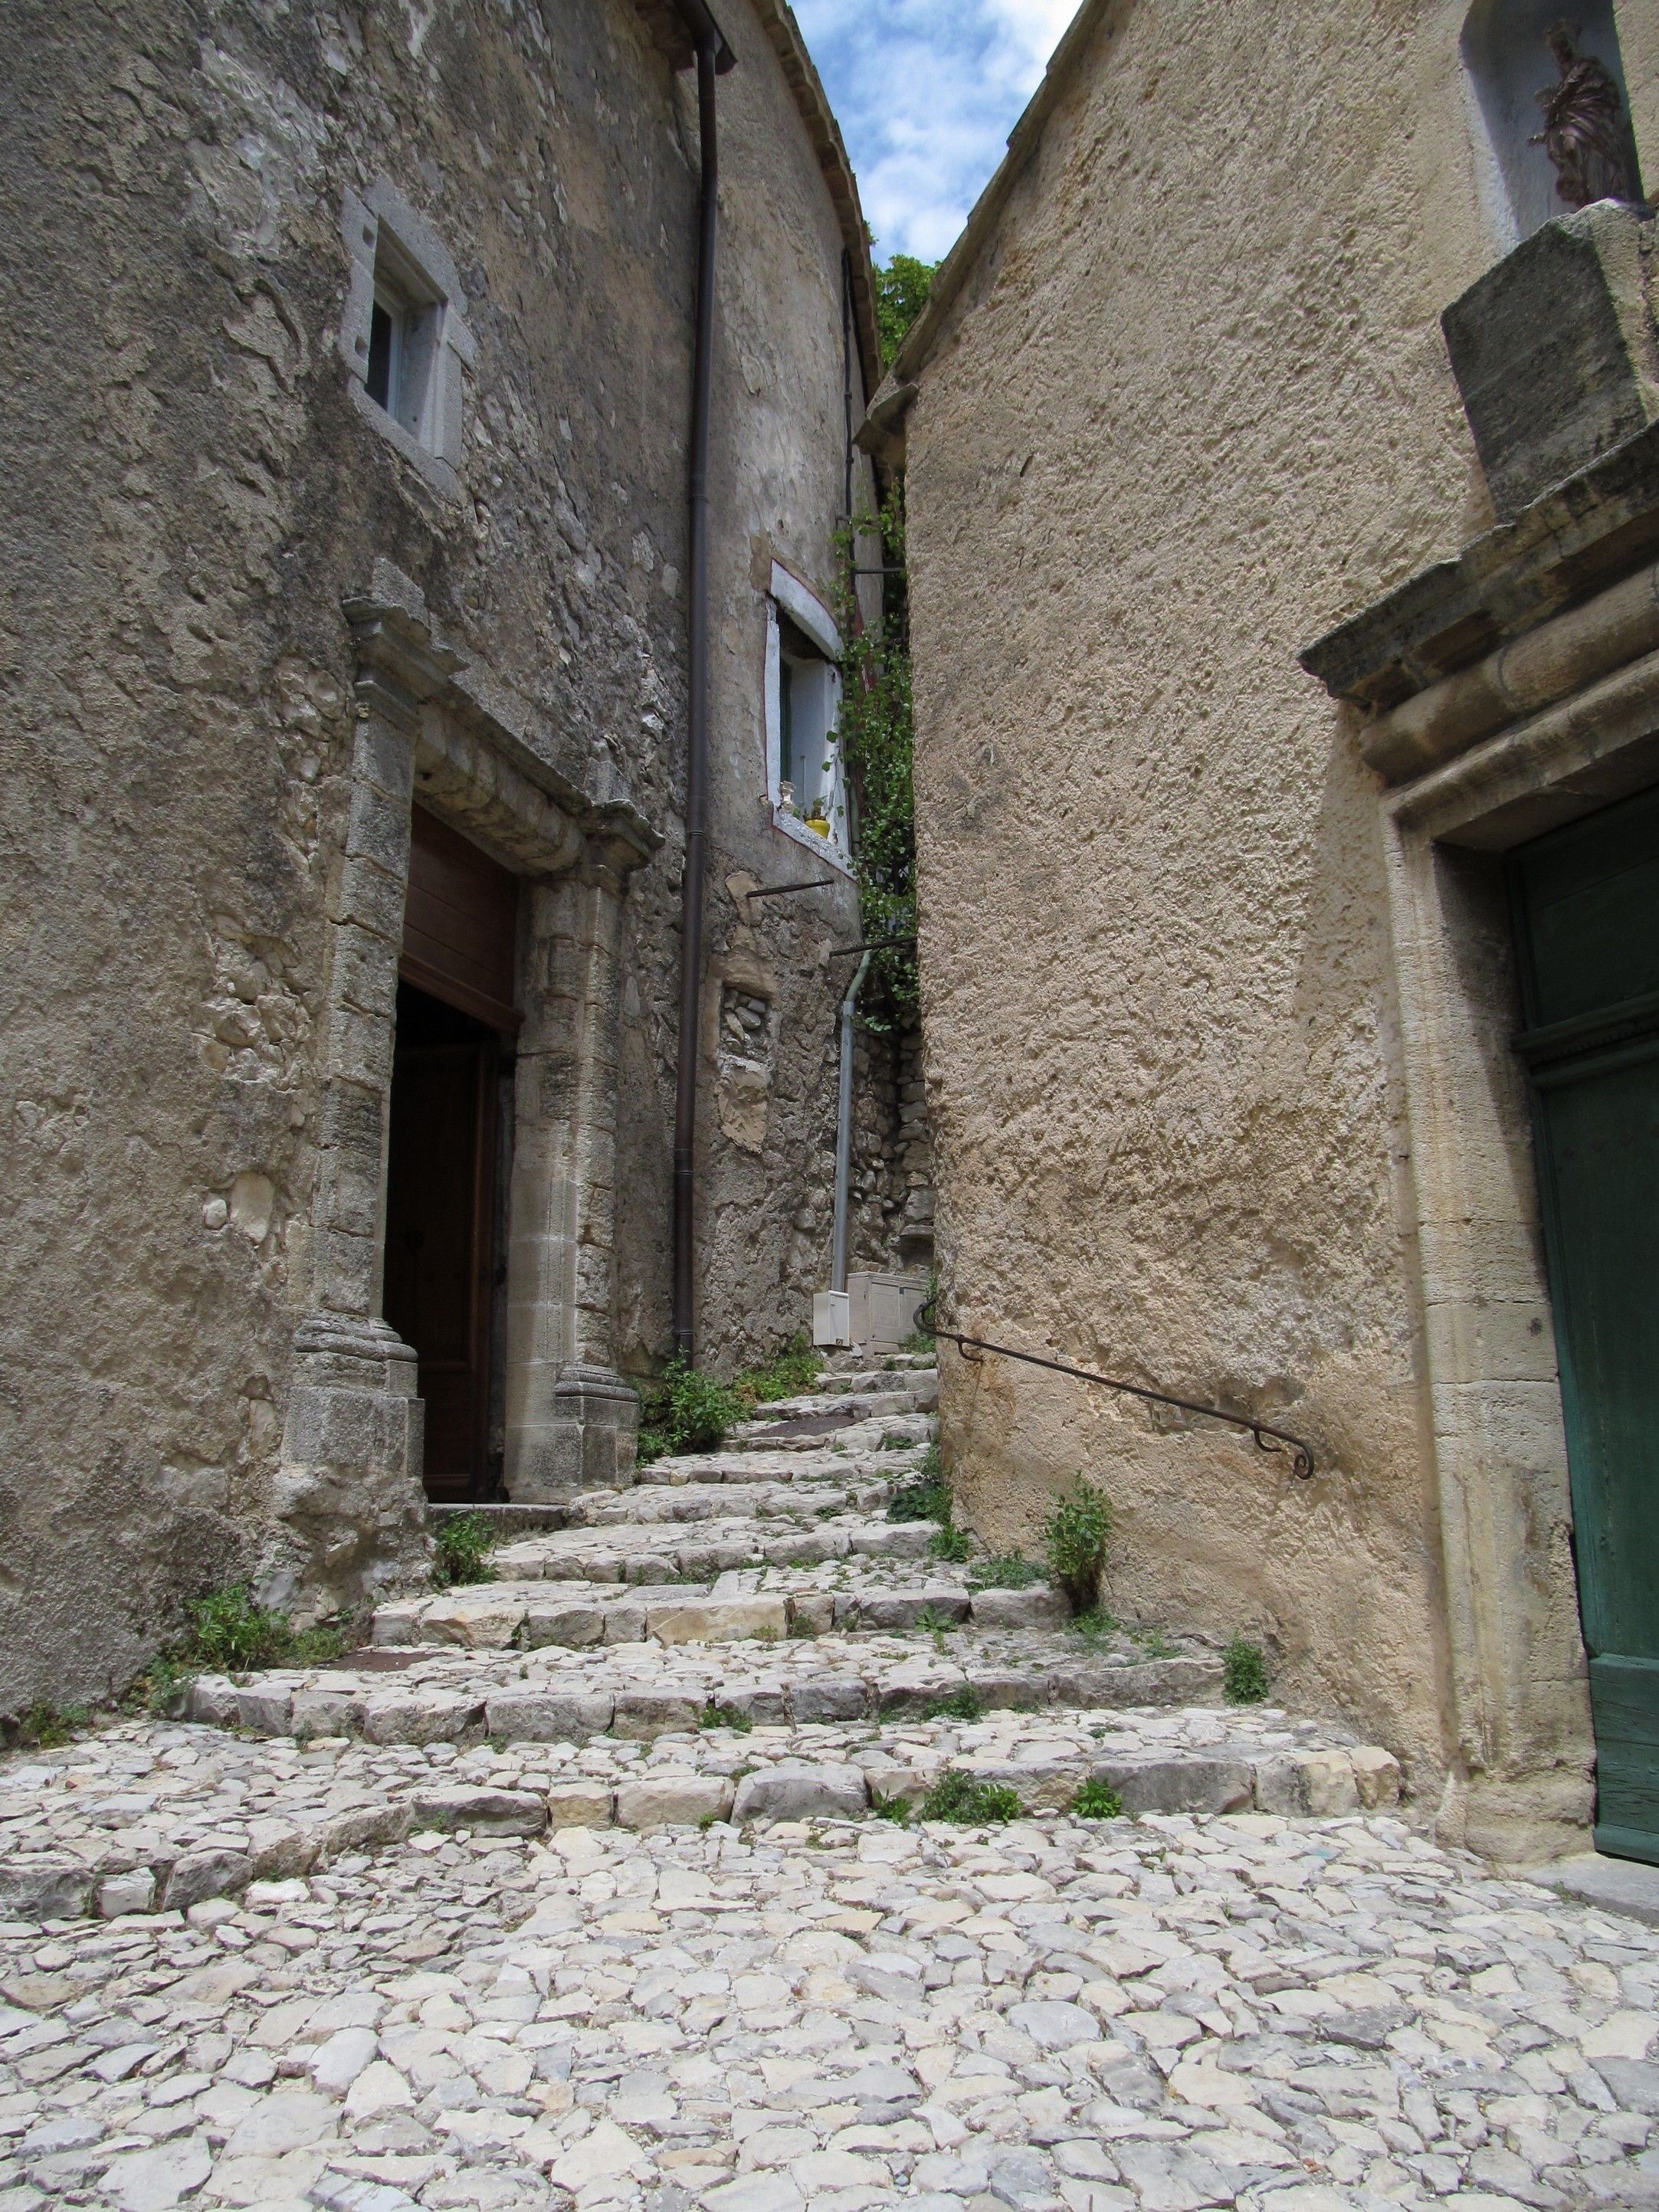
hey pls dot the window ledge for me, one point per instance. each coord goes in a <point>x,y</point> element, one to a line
<point>824,847</point>
<point>437,472</point>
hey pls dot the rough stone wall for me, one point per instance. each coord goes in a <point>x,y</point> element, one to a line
<point>189,495</point>
<point>1192,407</point>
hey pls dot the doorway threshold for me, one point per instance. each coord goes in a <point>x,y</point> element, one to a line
<point>1626,1886</point>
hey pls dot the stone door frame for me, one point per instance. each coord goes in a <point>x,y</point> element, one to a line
<point>434,728</point>
<point>1519,1679</point>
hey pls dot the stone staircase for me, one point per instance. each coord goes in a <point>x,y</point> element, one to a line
<point>748,1629</point>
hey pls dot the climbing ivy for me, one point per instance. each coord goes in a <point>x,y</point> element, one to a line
<point>877,731</point>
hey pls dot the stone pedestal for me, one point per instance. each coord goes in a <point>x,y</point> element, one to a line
<point>348,1493</point>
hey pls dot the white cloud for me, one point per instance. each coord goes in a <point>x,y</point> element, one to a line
<point>926,92</point>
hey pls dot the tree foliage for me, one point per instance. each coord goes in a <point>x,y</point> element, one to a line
<point>901,291</point>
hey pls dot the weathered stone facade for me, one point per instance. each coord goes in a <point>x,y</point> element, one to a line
<point>252,616</point>
<point>1182,402</point>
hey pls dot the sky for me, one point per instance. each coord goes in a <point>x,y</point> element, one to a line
<point>926,91</point>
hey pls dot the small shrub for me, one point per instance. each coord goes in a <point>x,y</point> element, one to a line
<point>1244,1673</point>
<point>895,1809</point>
<point>464,1542</point>
<point>1155,1644</point>
<point>1096,1623</point>
<point>686,1412</point>
<point>1077,1534</point>
<point>934,1622</point>
<point>1007,1571</point>
<point>894,1441</point>
<point>1096,1801</point>
<point>926,1497</point>
<point>963,1703</point>
<point>725,1717</point>
<point>958,1796</point>
<point>232,1635</point>
<point>950,1543</point>
<point>793,1369</point>
<point>44,1727</point>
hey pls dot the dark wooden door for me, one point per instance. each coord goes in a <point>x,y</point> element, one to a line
<point>440,1258</point>
<point>1586,903</point>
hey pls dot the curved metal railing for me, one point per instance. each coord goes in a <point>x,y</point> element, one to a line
<point>1267,1438</point>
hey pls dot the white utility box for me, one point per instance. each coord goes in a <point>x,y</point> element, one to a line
<point>830,1318</point>
<point>884,1310</point>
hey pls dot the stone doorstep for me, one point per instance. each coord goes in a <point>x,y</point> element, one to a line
<point>500,1616</point>
<point>336,1703</point>
<point>1302,1785</point>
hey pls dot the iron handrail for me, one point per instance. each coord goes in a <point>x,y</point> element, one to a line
<point>1267,1438</point>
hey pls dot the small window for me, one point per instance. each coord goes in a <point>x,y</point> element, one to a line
<point>802,701</point>
<point>401,333</point>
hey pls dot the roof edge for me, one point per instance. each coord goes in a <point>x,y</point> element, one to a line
<point>777,20</point>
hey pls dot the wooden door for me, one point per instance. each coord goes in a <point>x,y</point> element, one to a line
<point>1586,904</point>
<point>440,1241</point>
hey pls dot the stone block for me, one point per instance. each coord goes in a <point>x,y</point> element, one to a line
<point>827,1699</point>
<point>580,1805</point>
<point>51,1887</point>
<point>899,1540</point>
<point>1155,1682</point>
<point>1554,352</point>
<point>212,1700</point>
<point>481,1619</point>
<point>212,1872</point>
<point>812,1613</point>
<point>766,1706</point>
<point>665,1801</point>
<point>327,1712</point>
<point>364,1828</point>
<point>133,1891</point>
<point>824,1791</point>
<point>725,1620</point>
<point>1036,1607</point>
<point>279,1850</point>
<point>1181,1784</point>
<point>649,1567</point>
<point>492,1812</point>
<point>573,1622</point>
<point>1003,1689</point>
<point>1376,1776</point>
<point>899,1610</point>
<point>423,1717</point>
<point>399,1623</point>
<point>643,1714</point>
<point>624,1621</point>
<point>1312,1784</point>
<point>265,1709</point>
<point>547,1716</point>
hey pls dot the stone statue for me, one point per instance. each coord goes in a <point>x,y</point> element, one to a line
<point>1585,133</point>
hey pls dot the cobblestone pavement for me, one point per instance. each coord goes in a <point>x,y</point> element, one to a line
<point>586,1888</point>
<point>1156,2015</point>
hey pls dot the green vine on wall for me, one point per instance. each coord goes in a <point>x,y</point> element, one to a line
<point>877,730</point>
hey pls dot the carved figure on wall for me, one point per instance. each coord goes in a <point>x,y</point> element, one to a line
<point>1585,131</point>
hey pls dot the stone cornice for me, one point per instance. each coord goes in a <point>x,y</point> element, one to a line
<point>404,662</point>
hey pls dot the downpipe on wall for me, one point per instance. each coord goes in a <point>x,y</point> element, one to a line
<point>713,55</point>
<point>844,1127</point>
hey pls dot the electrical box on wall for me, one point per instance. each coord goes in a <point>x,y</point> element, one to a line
<point>884,1310</point>
<point>830,1324</point>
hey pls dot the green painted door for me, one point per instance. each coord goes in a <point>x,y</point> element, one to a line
<point>1586,905</point>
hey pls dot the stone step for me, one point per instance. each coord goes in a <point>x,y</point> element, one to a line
<point>923,1373</point>
<point>74,1848</point>
<point>564,1694</point>
<point>807,1432</point>
<point>813,1497</point>
<point>917,1395</point>
<point>767,1604</point>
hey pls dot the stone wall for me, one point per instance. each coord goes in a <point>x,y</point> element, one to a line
<point>1189,406</point>
<point>194,490</point>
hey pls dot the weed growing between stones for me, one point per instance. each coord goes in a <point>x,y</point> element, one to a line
<point>964,1704</point>
<point>950,1543</point>
<point>464,1542</point>
<point>686,1411</point>
<point>893,1442</point>
<point>958,1796</point>
<point>1244,1673</point>
<point>895,1809</point>
<point>1155,1644</point>
<point>934,1622</point>
<point>1006,1571</point>
<point>725,1716</point>
<point>1096,1801</point>
<point>1077,1534</point>
<point>1096,1624</point>
<point>44,1726</point>
<point>927,1497</point>
<point>795,1368</point>
<point>230,1634</point>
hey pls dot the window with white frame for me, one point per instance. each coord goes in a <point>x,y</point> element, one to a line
<point>802,701</point>
<point>401,333</point>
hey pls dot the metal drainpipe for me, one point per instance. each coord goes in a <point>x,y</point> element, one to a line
<point>710,48</point>
<point>844,1127</point>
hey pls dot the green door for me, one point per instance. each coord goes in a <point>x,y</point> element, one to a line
<point>1586,905</point>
